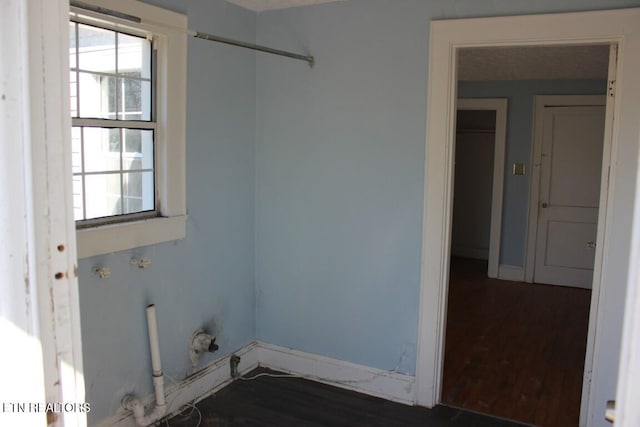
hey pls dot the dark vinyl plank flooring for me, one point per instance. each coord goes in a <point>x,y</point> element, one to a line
<point>514,350</point>
<point>296,402</point>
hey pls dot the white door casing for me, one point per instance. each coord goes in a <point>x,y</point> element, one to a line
<point>40,311</point>
<point>568,165</point>
<point>612,265</point>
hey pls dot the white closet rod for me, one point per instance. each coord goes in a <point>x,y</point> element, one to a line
<point>198,34</point>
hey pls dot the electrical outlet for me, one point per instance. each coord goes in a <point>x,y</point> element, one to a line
<point>233,365</point>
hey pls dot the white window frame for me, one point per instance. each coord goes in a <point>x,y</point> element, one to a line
<point>169,31</point>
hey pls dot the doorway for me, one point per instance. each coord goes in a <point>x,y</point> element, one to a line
<point>447,37</point>
<point>507,368</point>
<point>480,153</point>
<point>517,350</point>
<point>475,136</point>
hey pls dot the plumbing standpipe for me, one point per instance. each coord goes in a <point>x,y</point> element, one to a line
<point>134,404</point>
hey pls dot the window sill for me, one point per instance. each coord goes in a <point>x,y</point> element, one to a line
<point>120,237</point>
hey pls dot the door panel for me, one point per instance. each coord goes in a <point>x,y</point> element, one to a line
<point>575,144</point>
<point>566,245</point>
<point>569,193</point>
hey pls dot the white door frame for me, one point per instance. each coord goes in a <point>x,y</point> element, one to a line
<point>37,230</point>
<point>542,101</point>
<point>499,105</point>
<point>628,389</point>
<point>610,26</point>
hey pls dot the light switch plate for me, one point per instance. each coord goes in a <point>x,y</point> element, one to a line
<point>519,168</point>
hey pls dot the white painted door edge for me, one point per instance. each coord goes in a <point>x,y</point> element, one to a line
<point>49,220</point>
<point>627,412</point>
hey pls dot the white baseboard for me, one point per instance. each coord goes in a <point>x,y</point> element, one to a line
<point>194,388</point>
<point>514,273</point>
<point>363,379</point>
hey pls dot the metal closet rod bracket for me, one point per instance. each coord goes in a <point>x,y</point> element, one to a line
<point>198,34</point>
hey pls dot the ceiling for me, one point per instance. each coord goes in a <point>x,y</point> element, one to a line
<point>533,62</point>
<point>260,5</point>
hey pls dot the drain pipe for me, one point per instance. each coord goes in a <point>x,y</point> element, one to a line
<point>132,403</point>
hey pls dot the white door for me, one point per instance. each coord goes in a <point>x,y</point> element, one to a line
<point>571,164</point>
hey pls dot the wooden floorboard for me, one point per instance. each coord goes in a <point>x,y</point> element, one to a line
<point>296,402</point>
<point>514,350</point>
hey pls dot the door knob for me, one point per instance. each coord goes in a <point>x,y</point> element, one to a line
<point>591,244</point>
<point>544,205</point>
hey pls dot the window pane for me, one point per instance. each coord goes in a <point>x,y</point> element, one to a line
<point>136,99</point>
<point>103,195</point>
<point>138,192</point>
<point>72,44</point>
<point>76,150</point>
<point>73,89</point>
<point>101,149</point>
<point>97,96</point>
<point>97,49</point>
<point>138,149</point>
<point>134,56</point>
<point>77,198</point>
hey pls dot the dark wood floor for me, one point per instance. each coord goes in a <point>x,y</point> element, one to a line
<point>295,402</point>
<point>514,350</point>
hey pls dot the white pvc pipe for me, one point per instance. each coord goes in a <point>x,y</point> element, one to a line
<point>135,405</point>
<point>142,419</point>
<point>152,324</point>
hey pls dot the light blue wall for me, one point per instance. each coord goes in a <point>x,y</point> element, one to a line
<point>206,279</point>
<point>339,172</point>
<point>340,153</point>
<point>519,137</point>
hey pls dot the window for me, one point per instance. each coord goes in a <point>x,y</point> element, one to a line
<point>128,141</point>
<point>112,137</point>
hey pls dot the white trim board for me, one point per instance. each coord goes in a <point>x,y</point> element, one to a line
<point>194,388</point>
<point>388,385</point>
<point>35,99</point>
<point>40,312</point>
<point>514,273</point>
<point>628,388</point>
<point>606,27</point>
